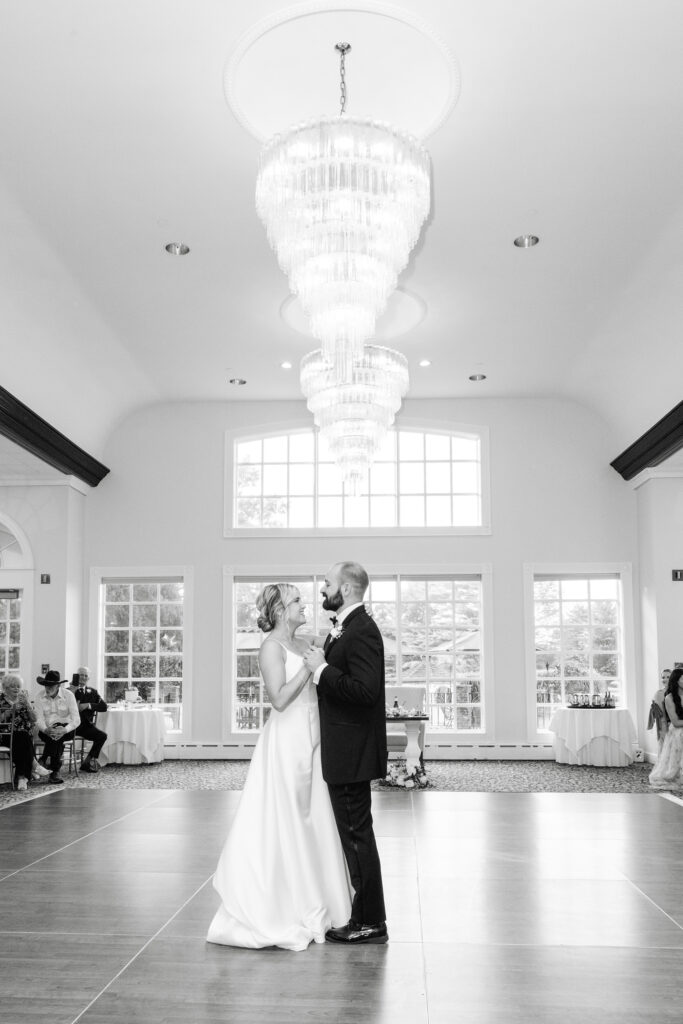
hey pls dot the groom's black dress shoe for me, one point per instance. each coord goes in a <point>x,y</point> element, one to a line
<point>353,932</point>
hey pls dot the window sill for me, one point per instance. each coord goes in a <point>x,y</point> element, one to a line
<point>305,533</point>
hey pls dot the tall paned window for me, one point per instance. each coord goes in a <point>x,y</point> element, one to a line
<point>10,631</point>
<point>432,632</point>
<point>142,632</point>
<point>419,480</point>
<point>578,638</point>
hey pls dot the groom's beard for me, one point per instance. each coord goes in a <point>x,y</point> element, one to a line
<point>333,603</point>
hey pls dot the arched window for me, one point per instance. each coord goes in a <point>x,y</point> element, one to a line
<point>423,480</point>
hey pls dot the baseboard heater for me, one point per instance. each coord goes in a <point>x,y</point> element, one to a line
<point>453,751</point>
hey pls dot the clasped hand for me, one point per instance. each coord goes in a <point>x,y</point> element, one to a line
<point>313,658</point>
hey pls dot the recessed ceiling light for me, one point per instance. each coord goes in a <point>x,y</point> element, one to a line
<point>286,366</point>
<point>477,376</point>
<point>526,241</point>
<point>238,381</point>
<point>425,362</point>
<point>177,248</point>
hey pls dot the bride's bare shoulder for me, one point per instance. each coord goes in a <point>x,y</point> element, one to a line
<point>271,649</point>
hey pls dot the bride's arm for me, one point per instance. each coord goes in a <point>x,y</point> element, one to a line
<point>671,710</point>
<point>281,690</point>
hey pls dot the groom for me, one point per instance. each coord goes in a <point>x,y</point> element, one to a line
<point>349,674</point>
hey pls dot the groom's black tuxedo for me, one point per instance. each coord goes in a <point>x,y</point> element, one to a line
<point>353,747</point>
<point>353,728</point>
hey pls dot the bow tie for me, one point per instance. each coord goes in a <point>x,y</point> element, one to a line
<point>333,620</point>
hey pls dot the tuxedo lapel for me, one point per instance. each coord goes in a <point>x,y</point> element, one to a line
<point>329,640</point>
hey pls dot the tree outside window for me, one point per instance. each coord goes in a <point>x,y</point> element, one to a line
<point>142,625</point>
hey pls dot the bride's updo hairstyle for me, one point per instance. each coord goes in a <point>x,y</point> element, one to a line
<point>272,602</point>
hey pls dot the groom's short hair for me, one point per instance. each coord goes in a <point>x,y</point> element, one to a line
<point>355,574</point>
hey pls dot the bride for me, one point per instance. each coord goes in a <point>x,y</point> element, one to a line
<point>667,772</point>
<point>282,876</point>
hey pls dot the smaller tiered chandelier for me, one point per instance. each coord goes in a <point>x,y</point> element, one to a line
<point>354,416</point>
<point>343,201</point>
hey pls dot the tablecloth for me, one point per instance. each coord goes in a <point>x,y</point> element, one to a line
<point>133,736</point>
<point>596,736</point>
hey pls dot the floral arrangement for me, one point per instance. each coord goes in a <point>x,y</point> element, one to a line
<point>398,775</point>
<point>336,631</point>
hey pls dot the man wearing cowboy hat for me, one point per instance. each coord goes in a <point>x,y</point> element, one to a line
<point>58,719</point>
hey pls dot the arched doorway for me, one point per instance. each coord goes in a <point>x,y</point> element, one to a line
<point>16,599</point>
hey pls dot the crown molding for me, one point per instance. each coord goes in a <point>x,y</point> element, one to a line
<point>654,446</point>
<point>23,426</point>
<point>69,481</point>
<point>665,473</point>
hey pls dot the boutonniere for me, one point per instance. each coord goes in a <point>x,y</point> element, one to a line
<point>336,632</point>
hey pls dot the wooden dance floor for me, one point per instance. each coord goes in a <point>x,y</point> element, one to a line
<point>504,908</point>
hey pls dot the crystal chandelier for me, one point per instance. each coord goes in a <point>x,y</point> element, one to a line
<point>343,200</point>
<point>354,416</point>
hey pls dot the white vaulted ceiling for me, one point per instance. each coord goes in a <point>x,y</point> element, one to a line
<point>117,138</point>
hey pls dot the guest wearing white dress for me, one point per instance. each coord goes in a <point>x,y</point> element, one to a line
<point>282,876</point>
<point>667,772</point>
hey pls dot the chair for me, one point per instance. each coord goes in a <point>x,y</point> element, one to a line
<point>81,741</point>
<point>7,729</point>
<point>69,750</point>
<point>444,701</point>
<point>73,763</point>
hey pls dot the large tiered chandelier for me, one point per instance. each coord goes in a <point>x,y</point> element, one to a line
<point>343,200</point>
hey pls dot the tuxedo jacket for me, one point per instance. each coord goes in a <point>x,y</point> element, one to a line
<point>88,695</point>
<point>353,732</point>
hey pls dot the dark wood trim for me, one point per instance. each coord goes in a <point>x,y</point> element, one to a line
<point>656,444</point>
<point>23,426</point>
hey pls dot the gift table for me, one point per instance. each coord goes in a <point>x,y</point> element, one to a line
<point>413,727</point>
<point>595,736</point>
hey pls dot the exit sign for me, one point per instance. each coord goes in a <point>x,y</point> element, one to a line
<point>677,574</point>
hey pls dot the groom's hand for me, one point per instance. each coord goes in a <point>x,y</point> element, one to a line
<point>314,658</point>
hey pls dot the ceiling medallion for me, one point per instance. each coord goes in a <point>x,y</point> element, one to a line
<point>269,74</point>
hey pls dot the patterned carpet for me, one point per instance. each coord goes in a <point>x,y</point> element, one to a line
<point>462,776</point>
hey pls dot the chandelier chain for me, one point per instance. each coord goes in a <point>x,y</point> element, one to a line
<point>342,49</point>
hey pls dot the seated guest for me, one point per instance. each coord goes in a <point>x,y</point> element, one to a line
<point>89,702</point>
<point>15,707</point>
<point>58,719</point>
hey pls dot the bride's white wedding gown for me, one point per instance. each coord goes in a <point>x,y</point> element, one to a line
<point>282,876</point>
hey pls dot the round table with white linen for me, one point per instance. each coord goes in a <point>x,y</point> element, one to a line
<point>134,735</point>
<point>596,736</point>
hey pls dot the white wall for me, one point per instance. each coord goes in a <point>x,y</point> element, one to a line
<point>660,530</point>
<point>554,499</point>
